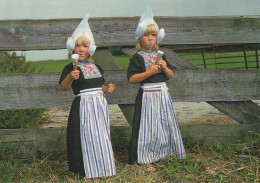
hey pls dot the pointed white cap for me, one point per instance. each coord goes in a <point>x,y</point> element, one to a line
<point>145,20</point>
<point>83,29</point>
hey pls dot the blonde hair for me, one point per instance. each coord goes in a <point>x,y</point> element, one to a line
<point>150,29</point>
<point>84,41</point>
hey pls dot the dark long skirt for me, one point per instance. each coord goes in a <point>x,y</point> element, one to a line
<point>136,126</point>
<point>74,150</point>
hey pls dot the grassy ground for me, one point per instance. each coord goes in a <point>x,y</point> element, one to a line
<point>235,163</point>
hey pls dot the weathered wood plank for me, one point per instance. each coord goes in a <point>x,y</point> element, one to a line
<point>244,112</point>
<point>32,90</point>
<point>52,34</point>
<point>35,142</point>
<point>177,61</point>
<point>225,133</point>
<point>39,90</point>
<point>43,142</point>
<point>128,111</point>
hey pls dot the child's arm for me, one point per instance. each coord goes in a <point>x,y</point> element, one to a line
<point>168,72</point>
<point>136,78</point>
<point>66,83</point>
<point>109,88</point>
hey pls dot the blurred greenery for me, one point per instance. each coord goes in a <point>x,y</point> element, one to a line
<point>50,65</point>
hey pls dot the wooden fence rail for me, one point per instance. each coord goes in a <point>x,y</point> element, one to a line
<point>40,143</point>
<point>40,90</point>
<point>52,34</point>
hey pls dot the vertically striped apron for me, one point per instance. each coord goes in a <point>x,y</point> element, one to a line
<point>98,157</point>
<point>159,134</point>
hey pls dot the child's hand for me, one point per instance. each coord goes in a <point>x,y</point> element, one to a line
<point>163,65</point>
<point>154,68</point>
<point>74,75</point>
<point>110,87</point>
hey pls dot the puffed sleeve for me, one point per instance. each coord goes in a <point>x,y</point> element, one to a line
<point>167,63</point>
<point>101,71</point>
<point>134,66</point>
<point>66,70</point>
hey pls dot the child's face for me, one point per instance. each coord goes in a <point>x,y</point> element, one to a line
<point>82,50</point>
<point>148,41</point>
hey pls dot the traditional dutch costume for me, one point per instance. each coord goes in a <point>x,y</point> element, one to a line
<point>88,132</point>
<point>155,132</point>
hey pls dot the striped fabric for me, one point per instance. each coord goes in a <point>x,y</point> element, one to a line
<point>159,134</point>
<point>98,157</point>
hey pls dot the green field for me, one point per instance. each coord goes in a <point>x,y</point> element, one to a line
<point>214,61</point>
<point>58,65</point>
<point>196,58</point>
<point>50,66</point>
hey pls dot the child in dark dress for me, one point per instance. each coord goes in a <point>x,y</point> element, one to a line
<point>155,131</point>
<point>89,147</point>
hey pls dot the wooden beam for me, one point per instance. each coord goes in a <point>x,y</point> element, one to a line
<point>39,143</point>
<point>39,90</point>
<point>212,133</point>
<point>244,112</point>
<point>52,34</point>
<point>105,59</point>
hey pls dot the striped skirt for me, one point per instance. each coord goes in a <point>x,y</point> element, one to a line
<point>98,157</point>
<point>159,134</point>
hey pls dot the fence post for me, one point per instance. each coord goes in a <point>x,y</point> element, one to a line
<point>244,50</point>
<point>215,57</point>
<point>204,62</point>
<point>256,55</point>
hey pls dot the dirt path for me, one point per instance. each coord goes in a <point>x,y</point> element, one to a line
<point>186,112</point>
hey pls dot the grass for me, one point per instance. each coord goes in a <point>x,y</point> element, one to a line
<point>122,62</point>
<point>238,162</point>
<point>58,65</point>
<point>221,63</point>
<point>51,65</point>
<point>195,58</point>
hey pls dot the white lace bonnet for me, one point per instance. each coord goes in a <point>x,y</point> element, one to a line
<point>83,29</point>
<point>145,20</point>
